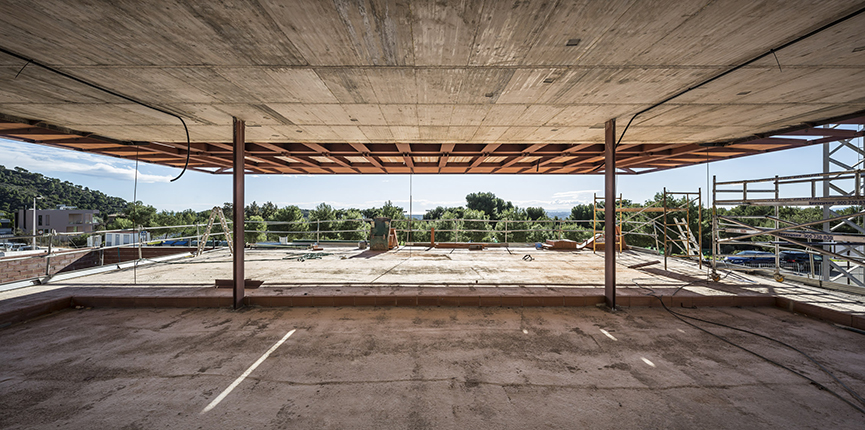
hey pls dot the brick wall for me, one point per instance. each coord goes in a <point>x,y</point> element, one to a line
<point>113,256</point>
<point>19,270</point>
<point>30,268</point>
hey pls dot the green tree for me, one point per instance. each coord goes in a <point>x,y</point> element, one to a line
<point>487,203</point>
<point>140,214</point>
<point>435,213</point>
<point>268,210</point>
<point>352,220</point>
<point>291,214</point>
<point>322,219</point>
<point>476,226</point>
<point>536,213</point>
<point>391,211</point>
<point>581,213</point>
<point>254,229</point>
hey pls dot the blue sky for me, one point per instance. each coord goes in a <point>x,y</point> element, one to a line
<point>201,191</point>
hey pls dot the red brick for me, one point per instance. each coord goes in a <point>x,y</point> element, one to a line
<point>857,321</point>
<point>322,300</point>
<point>469,301</point>
<point>490,301</point>
<point>385,301</point>
<point>643,301</point>
<point>406,300</point>
<point>449,301</point>
<point>594,300</point>
<point>427,300</point>
<point>574,301</point>
<point>343,301</point>
<point>532,301</point>
<point>552,301</point>
<point>302,301</point>
<point>512,301</point>
<point>364,301</point>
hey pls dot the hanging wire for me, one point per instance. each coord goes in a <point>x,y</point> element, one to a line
<point>746,63</point>
<point>107,91</point>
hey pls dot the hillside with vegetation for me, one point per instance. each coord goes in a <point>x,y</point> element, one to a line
<point>18,187</point>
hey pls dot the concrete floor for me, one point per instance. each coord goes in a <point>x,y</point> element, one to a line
<point>416,368</point>
<point>407,271</point>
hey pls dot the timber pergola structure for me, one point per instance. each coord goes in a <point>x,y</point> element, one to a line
<point>476,87</point>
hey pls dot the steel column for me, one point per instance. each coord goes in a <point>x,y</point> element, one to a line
<point>610,213</point>
<point>824,266</point>
<point>238,242</point>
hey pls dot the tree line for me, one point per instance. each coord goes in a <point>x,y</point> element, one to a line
<point>484,217</point>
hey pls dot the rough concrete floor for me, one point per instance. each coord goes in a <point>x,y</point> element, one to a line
<point>490,268</point>
<point>417,368</point>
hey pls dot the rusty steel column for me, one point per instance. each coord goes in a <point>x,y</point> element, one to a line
<point>610,213</point>
<point>238,242</point>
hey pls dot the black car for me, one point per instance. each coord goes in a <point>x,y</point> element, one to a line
<point>799,257</point>
<point>800,261</point>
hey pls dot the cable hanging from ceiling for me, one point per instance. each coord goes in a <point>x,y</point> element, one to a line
<point>746,63</point>
<point>107,91</point>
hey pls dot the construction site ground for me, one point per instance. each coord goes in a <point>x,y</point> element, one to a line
<point>423,367</point>
<point>424,338</point>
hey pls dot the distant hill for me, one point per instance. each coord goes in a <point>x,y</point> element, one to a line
<point>18,186</point>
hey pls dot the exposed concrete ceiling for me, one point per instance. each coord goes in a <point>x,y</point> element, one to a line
<point>472,86</point>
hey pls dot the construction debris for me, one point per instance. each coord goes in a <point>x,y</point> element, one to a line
<point>648,263</point>
<point>560,244</point>
<point>247,283</point>
<point>308,256</point>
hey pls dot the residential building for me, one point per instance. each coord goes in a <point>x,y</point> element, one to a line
<point>64,219</point>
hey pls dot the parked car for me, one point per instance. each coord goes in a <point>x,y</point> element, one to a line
<point>751,258</point>
<point>800,261</point>
<point>799,257</point>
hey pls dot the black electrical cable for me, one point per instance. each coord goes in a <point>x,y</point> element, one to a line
<point>682,317</point>
<point>755,59</point>
<point>108,91</point>
<point>22,69</point>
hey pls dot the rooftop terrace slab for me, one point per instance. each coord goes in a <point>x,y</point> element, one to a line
<point>422,367</point>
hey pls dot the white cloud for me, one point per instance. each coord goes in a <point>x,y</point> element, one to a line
<point>44,160</point>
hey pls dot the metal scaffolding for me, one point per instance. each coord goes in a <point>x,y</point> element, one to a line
<point>660,217</point>
<point>682,236</point>
<point>788,234</point>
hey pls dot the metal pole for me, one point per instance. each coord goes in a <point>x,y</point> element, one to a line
<point>610,213</point>
<point>33,247</point>
<point>700,225</point>
<point>716,247</point>
<point>777,246</point>
<point>594,222</point>
<point>239,142</point>
<point>824,266</point>
<point>48,256</point>
<point>665,228</point>
<point>410,199</point>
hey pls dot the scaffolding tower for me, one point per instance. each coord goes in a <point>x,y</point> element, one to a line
<point>789,234</point>
<point>658,216</point>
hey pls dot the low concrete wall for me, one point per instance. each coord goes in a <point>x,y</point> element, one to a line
<point>31,268</point>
